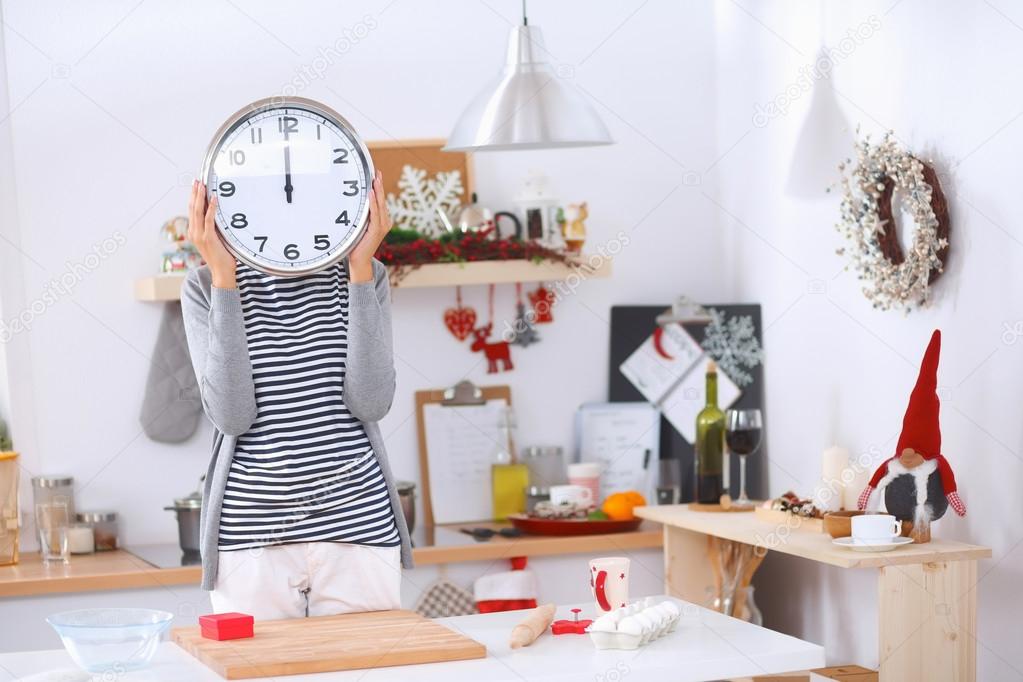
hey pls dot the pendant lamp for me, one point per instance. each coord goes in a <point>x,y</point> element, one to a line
<point>527,106</point>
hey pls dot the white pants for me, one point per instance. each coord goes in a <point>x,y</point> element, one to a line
<point>307,579</point>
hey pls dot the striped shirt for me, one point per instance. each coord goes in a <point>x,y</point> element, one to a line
<point>305,470</point>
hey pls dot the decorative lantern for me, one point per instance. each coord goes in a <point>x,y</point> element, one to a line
<point>537,206</point>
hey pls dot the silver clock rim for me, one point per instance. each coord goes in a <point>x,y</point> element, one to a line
<point>279,102</point>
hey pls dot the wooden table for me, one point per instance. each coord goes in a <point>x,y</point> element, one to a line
<point>121,569</point>
<point>927,601</point>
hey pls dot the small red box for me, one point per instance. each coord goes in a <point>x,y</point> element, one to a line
<point>221,626</point>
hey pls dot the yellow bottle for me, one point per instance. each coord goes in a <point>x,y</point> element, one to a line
<point>508,478</point>
<point>510,482</point>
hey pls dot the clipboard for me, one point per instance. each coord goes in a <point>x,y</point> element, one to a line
<point>436,467</point>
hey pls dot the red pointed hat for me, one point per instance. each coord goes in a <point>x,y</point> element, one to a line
<point>920,427</point>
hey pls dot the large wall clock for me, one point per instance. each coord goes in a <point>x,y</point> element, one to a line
<point>293,180</point>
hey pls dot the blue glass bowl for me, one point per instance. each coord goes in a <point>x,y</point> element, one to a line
<point>111,640</point>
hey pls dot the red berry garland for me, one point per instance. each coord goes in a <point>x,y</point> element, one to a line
<point>406,250</point>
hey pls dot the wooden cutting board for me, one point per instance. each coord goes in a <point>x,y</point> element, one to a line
<point>329,643</point>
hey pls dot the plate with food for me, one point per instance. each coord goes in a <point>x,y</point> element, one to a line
<point>614,516</point>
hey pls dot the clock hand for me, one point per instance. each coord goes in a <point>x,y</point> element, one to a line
<point>287,172</point>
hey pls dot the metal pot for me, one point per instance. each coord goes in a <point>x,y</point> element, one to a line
<point>187,509</point>
<point>407,498</point>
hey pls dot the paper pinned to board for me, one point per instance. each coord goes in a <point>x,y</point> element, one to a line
<point>625,438</point>
<point>669,369</point>
<point>460,444</point>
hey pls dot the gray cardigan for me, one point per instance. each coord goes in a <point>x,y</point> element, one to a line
<point>215,329</point>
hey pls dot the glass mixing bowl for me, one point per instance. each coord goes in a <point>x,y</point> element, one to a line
<point>111,640</point>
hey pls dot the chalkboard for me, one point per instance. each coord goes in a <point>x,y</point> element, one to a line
<point>630,327</point>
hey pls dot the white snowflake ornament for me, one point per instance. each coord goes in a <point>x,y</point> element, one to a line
<point>732,342</point>
<point>416,206</point>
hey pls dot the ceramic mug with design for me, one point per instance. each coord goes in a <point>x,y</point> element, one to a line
<point>571,494</point>
<point>609,580</point>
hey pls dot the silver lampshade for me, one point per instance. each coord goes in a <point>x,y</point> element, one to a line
<point>527,107</point>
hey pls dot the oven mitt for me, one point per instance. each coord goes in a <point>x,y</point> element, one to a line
<point>171,407</point>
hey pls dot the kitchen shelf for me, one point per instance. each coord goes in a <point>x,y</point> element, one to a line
<point>167,287</point>
<point>120,569</point>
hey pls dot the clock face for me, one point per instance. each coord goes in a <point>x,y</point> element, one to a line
<point>293,182</point>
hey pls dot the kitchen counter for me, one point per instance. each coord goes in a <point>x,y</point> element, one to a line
<point>706,645</point>
<point>123,569</point>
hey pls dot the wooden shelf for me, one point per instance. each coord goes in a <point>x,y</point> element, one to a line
<point>121,569</point>
<point>806,542</point>
<point>167,287</point>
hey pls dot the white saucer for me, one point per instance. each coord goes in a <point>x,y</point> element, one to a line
<point>871,545</point>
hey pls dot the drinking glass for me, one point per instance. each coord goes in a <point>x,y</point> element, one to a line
<point>52,525</point>
<point>743,431</point>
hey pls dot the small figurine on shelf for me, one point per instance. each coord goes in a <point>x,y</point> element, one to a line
<point>917,482</point>
<point>574,226</point>
<point>184,256</point>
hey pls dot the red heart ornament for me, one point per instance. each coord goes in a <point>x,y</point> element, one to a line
<point>460,321</point>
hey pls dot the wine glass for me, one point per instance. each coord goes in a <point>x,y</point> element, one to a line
<point>743,431</point>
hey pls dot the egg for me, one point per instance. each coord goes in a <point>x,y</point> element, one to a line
<point>630,625</point>
<point>605,623</point>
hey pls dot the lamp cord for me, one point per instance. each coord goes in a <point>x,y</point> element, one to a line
<point>525,22</point>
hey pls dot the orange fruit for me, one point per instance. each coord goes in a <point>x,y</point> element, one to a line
<point>619,506</point>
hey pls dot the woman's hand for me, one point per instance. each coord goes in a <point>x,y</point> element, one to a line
<point>202,232</point>
<point>360,261</point>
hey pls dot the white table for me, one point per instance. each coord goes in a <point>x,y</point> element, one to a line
<point>706,646</point>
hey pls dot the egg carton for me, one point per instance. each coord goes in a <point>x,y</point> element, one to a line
<point>635,625</point>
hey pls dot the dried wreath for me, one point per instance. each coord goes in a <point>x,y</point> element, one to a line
<point>882,173</point>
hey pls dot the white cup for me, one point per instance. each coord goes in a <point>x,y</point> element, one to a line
<point>875,528</point>
<point>609,581</point>
<point>586,474</point>
<point>571,494</point>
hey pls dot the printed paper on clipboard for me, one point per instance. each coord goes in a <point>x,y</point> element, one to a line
<point>625,438</point>
<point>669,369</point>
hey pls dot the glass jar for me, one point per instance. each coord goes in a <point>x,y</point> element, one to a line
<point>546,465</point>
<point>8,508</point>
<point>54,490</point>
<point>104,528</point>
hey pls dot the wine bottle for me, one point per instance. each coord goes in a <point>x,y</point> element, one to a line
<point>710,445</point>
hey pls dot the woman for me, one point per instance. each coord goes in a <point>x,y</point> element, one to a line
<point>300,515</point>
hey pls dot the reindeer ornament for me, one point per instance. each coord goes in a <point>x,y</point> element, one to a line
<point>494,352</point>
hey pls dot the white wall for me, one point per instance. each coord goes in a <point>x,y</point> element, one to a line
<point>114,104</point>
<point>944,77</point>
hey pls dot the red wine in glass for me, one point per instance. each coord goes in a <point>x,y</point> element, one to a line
<point>743,431</point>
<point>744,441</point>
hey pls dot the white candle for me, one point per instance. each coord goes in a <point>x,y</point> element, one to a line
<point>834,461</point>
<point>80,539</point>
<point>857,480</point>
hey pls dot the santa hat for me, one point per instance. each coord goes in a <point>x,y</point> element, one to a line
<point>508,590</point>
<point>921,429</point>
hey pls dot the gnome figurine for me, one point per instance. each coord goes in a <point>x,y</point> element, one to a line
<point>917,482</point>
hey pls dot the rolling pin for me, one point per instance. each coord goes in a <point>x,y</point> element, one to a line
<point>538,620</point>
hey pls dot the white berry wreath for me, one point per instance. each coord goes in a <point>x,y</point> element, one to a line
<point>893,279</point>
